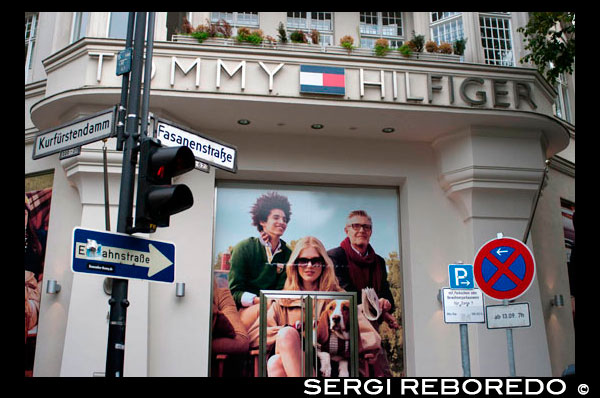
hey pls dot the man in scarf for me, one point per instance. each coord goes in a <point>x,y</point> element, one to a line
<point>358,266</point>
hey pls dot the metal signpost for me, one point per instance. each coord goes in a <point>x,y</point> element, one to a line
<point>504,269</point>
<point>121,256</point>
<point>463,304</point>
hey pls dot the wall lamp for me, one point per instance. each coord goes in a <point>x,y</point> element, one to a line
<point>558,300</point>
<point>180,289</point>
<point>52,287</point>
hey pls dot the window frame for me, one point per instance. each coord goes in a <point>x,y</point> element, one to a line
<point>235,18</point>
<point>309,299</point>
<point>562,106</point>
<point>444,21</point>
<point>369,37</point>
<point>326,35</point>
<point>80,20</point>
<point>31,25</point>
<point>109,25</point>
<point>506,18</point>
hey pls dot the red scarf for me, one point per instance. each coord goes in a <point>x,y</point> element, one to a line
<point>365,271</point>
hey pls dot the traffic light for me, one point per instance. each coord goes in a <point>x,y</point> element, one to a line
<point>157,199</point>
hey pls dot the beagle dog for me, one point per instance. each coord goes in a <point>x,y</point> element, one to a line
<point>333,337</point>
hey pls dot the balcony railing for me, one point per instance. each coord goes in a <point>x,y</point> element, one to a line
<point>317,48</point>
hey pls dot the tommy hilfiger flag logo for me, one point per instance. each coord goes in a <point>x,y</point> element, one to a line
<point>322,80</point>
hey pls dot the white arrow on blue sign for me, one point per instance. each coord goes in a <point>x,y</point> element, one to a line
<point>120,255</point>
<point>461,276</point>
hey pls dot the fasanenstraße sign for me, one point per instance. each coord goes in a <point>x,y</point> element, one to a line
<point>205,149</point>
<point>83,131</point>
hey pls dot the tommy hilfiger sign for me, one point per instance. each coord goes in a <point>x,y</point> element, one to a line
<point>452,88</point>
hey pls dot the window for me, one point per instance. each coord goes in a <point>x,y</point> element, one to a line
<point>561,104</point>
<point>376,25</point>
<point>30,35</point>
<point>80,23</point>
<point>236,18</point>
<point>175,23</point>
<point>117,25</point>
<point>308,21</point>
<point>496,39</point>
<point>446,27</point>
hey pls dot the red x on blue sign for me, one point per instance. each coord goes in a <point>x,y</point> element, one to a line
<point>504,268</point>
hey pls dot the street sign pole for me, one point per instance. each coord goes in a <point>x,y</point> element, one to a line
<point>124,85</point>
<point>510,348</point>
<point>118,302</point>
<point>464,346</point>
<point>509,336</point>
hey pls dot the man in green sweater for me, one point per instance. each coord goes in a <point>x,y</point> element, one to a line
<point>258,263</point>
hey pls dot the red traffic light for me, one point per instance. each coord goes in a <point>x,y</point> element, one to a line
<point>157,199</point>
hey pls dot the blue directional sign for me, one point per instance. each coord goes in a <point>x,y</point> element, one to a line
<point>122,256</point>
<point>461,276</point>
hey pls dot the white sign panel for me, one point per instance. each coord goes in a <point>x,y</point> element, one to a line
<point>206,150</point>
<point>73,134</point>
<point>508,316</point>
<point>463,305</point>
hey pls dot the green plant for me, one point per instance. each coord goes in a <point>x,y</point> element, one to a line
<point>281,33</point>
<point>550,39</point>
<point>382,46</point>
<point>199,35</point>
<point>445,48</point>
<point>298,36</point>
<point>459,46</point>
<point>347,42</point>
<point>405,50</point>
<point>431,46</point>
<point>242,34</point>
<point>418,42</point>
<point>253,37</point>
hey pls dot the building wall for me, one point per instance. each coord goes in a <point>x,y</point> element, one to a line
<point>470,183</point>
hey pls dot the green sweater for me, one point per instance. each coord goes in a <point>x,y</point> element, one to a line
<point>251,272</point>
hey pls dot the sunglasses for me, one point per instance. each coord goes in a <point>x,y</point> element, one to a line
<point>357,227</point>
<point>315,262</point>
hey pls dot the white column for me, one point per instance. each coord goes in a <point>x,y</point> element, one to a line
<point>86,337</point>
<point>492,175</point>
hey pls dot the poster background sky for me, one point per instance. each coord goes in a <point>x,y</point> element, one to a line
<point>316,210</point>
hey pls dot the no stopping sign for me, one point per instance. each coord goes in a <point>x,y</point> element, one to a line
<point>504,268</point>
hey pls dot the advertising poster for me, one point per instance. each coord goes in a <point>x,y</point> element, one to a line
<point>243,258</point>
<point>37,213</point>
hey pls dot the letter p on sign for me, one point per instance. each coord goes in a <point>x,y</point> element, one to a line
<point>461,276</point>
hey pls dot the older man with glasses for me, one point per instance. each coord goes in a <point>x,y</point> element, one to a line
<point>358,266</point>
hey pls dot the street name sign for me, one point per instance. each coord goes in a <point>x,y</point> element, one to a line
<point>124,61</point>
<point>504,268</point>
<point>80,132</point>
<point>205,149</point>
<point>461,276</point>
<point>463,305</point>
<point>508,316</point>
<point>120,255</point>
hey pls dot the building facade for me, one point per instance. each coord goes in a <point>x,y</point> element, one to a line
<point>460,141</point>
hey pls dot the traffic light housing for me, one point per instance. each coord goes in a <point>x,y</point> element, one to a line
<point>157,199</point>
